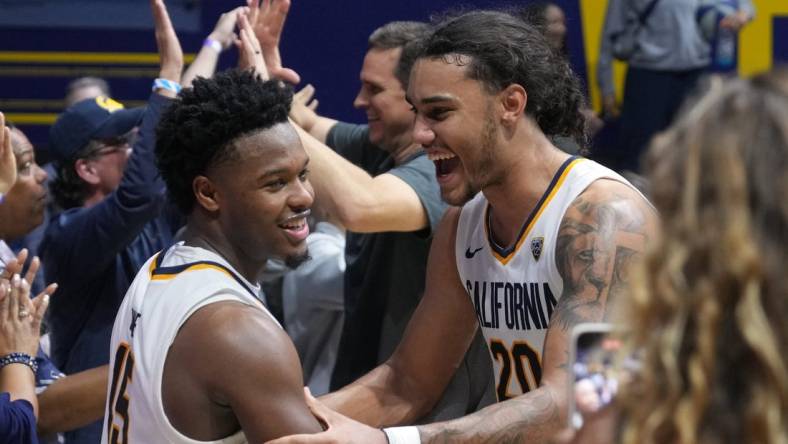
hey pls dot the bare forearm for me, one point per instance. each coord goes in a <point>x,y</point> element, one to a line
<point>534,418</point>
<point>343,188</point>
<point>73,401</point>
<point>204,65</point>
<point>379,399</point>
<point>320,128</point>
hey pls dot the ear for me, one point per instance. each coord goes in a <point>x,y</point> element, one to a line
<point>205,193</point>
<point>86,170</point>
<point>513,101</point>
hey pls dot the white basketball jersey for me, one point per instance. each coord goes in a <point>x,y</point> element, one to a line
<point>515,290</point>
<point>169,288</point>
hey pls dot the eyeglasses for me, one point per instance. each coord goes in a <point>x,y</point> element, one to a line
<point>112,145</point>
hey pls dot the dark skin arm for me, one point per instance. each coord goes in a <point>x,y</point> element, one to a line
<point>73,401</point>
<point>232,367</point>
<point>602,232</point>
<point>406,386</point>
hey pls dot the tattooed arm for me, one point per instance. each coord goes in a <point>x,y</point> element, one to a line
<point>602,232</point>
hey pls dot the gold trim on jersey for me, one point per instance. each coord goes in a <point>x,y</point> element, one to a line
<point>504,255</point>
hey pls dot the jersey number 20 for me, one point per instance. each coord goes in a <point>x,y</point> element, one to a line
<point>521,355</point>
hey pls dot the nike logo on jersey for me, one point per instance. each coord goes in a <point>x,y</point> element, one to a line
<point>469,254</point>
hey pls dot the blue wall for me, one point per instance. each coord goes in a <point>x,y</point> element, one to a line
<point>324,41</point>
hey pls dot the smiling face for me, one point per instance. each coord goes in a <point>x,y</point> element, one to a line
<point>456,123</point>
<point>263,196</point>
<point>23,207</point>
<point>383,99</point>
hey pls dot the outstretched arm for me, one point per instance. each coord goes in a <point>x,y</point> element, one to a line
<point>303,114</point>
<point>405,387</point>
<point>221,38</point>
<point>73,401</point>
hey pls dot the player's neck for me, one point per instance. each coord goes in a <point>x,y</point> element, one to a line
<point>531,169</point>
<point>204,235</point>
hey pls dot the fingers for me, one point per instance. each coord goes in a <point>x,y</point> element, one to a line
<point>288,75</point>
<point>15,266</point>
<point>32,270</point>
<point>313,105</point>
<point>254,10</point>
<point>49,291</point>
<point>5,286</point>
<point>320,411</point>
<point>40,308</point>
<point>13,300</point>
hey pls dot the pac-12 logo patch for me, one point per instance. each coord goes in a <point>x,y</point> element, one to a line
<point>536,247</point>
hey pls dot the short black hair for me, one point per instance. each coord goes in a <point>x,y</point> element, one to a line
<point>505,50</point>
<point>197,131</point>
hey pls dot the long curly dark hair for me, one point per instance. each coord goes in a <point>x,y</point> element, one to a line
<point>505,50</point>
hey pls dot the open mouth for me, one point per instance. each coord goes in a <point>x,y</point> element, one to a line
<point>296,228</point>
<point>445,163</point>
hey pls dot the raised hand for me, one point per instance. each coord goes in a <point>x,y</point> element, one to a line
<point>170,52</point>
<point>250,55</point>
<point>7,159</point>
<point>268,20</point>
<point>224,31</point>
<point>20,318</point>
<point>302,111</point>
<point>15,266</point>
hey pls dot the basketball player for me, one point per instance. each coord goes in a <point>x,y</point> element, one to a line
<point>195,355</point>
<point>545,245</point>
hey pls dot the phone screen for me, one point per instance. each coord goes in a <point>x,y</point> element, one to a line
<point>595,377</point>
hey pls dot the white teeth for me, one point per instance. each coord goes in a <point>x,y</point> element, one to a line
<point>295,225</point>
<point>440,156</point>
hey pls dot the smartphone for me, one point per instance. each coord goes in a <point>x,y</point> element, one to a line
<point>593,376</point>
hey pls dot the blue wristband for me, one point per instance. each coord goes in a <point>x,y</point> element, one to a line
<point>19,358</point>
<point>213,44</point>
<point>168,85</point>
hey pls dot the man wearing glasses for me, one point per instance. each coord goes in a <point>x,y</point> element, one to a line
<point>115,217</point>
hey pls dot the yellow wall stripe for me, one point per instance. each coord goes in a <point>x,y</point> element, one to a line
<point>32,118</point>
<point>82,58</point>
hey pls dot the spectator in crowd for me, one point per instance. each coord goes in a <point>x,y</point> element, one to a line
<point>382,188</point>
<point>708,307</point>
<point>83,88</point>
<point>549,18</point>
<point>20,323</point>
<point>114,214</point>
<point>65,402</point>
<point>668,57</point>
